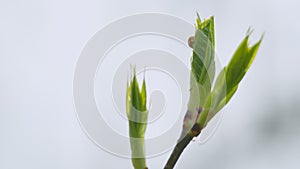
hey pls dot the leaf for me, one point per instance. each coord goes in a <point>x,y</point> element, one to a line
<point>135,94</point>
<point>203,64</point>
<point>206,111</point>
<point>143,96</point>
<point>240,62</point>
<point>225,100</point>
<point>229,78</point>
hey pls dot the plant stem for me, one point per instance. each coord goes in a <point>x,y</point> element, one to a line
<point>181,145</point>
<point>137,145</point>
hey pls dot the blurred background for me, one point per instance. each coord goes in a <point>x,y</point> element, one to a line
<point>40,42</point>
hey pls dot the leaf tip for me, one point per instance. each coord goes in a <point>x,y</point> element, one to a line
<point>249,31</point>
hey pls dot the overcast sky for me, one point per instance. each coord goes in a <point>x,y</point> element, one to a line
<point>40,42</point>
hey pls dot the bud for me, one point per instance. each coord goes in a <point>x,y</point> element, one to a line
<point>191,41</point>
<point>137,115</point>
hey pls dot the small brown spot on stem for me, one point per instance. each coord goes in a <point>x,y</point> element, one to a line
<point>196,129</point>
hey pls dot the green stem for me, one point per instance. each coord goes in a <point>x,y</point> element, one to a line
<point>138,152</point>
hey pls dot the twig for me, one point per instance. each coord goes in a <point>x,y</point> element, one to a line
<point>181,145</point>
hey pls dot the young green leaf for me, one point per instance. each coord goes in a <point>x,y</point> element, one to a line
<point>231,75</point>
<point>203,63</point>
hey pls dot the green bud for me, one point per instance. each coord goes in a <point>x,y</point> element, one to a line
<point>137,115</point>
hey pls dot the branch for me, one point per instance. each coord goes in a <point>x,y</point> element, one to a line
<point>181,145</point>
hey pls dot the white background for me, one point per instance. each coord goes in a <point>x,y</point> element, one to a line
<point>40,42</point>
